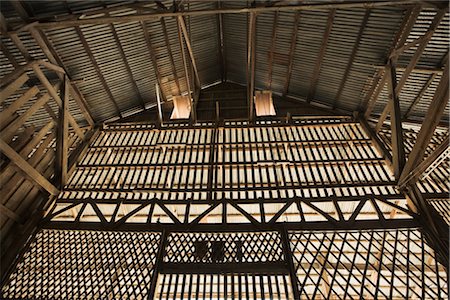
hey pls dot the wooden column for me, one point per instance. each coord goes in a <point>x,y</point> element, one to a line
<point>62,147</point>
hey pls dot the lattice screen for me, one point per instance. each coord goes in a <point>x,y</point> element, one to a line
<point>68,264</point>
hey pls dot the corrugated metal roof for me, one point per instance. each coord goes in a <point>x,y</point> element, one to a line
<point>133,93</point>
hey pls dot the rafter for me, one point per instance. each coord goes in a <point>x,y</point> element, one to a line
<point>362,26</point>
<point>126,64</point>
<point>271,51</point>
<point>221,44</point>
<point>186,70</point>
<point>251,59</point>
<point>291,53</point>
<point>169,52</point>
<point>432,118</point>
<point>151,16</point>
<point>319,61</point>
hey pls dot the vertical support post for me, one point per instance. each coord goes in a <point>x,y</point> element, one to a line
<point>61,163</point>
<point>158,99</point>
<point>398,149</point>
<point>156,269</point>
<point>290,262</point>
<point>251,53</point>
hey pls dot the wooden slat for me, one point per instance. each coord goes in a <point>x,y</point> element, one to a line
<point>8,113</point>
<point>9,131</point>
<point>431,120</point>
<point>27,169</point>
<point>58,100</point>
<point>12,87</point>
<point>291,54</point>
<point>323,49</point>
<point>418,53</point>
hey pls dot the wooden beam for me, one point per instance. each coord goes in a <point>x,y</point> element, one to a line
<point>398,147</point>
<point>62,140</point>
<point>8,133</point>
<point>27,169</point>
<point>291,54</point>
<point>169,52</point>
<point>419,96</point>
<point>323,48</point>
<point>362,26</point>
<point>97,69</point>
<point>8,113</point>
<point>221,44</point>
<point>127,66</point>
<point>45,24</point>
<point>418,53</point>
<point>58,100</point>
<point>8,55</point>
<point>46,46</point>
<point>190,51</point>
<point>186,71</point>
<point>152,53</point>
<point>432,118</point>
<point>271,52</point>
<point>441,151</point>
<point>408,22</point>
<point>251,39</point>
<point>13,87</point>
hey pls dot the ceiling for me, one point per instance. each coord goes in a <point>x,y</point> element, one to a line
<point>326,57</point>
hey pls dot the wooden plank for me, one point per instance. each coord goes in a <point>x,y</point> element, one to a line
<point>387,109</point>
<point>419,96</point>
<point>190,51</point>
<point>323,48</point>
<point>58,100</point>
<point>51,54</point>
<point>62,148</point>
<point>151,52</point>
<point>362,26</point>
<point>13,87</point>
<point>45,24</point>
<point>27,169</point>
<point>97,69</point>
<point>10,214</point>
<point>251,53</point>
<point>12,128</point>
<point>186,71</point>
<point>169,52</point>
<point>398,147</point>
<point>430,122</point>
<point>291,54</point>
<point>8,113</point>
<point>271,52</point>
<point>418,53</point>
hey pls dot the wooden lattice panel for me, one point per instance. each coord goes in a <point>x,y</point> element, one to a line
<point>218,286</point>
<point>238,247</point>
<point>394,264</point>
<point>68,264</point>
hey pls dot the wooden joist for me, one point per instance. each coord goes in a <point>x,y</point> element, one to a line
<point>13,87</point>
<point>190,50</point>
<point>62,147</point>
<point>271,52</point>
<point>27,169</point>
<point>319,61</point>
<point>169,52</point>
<point>251,53</point>
<point>8,113</point>
<point>432,118</point>
<point>56,97</point>
<point>186,71</point>
<point>291,54</point>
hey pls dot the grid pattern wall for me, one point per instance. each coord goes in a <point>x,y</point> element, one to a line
<point>394,264</point>
<point>224,286</point>
<point>85,265</point>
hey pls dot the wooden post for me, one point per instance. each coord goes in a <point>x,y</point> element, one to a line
<point>62,147</point>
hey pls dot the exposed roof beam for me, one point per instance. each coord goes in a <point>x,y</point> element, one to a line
<point>189,48</point>
<point>323,48</point>
<point>169,52</point>
<point>151,52</point>
<point>46,47</point>
<point>127,66</point>
<point>291,54</point>
<point>97,69</point>
<point>152,16</point>
<point>31,173</point>
<point>186,71</point>
<point>362,26</point>
<point>221,40</point>
<point>402,34</point>
<point>271,51</point>
<point>251,53</point>
<point>432,118</point>
<point>418,53</point>
<point>419,96</point>
<point>398,147</point>
<point>62,140</point>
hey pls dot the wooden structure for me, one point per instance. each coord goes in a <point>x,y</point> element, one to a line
<point>342,194</point>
